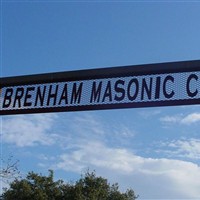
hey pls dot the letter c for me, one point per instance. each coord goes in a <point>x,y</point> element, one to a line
<point>191,94</point>
<point>171,94</point>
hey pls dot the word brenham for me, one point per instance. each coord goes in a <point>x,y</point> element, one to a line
<point>40,96</point>
<point>135,89</point>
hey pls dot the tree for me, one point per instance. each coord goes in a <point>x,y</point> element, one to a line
<point>9,169</point>
<point>88,187</point>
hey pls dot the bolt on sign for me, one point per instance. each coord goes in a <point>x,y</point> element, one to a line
<point>151,85</point>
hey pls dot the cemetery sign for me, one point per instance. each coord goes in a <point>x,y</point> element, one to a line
<point>150,85</point>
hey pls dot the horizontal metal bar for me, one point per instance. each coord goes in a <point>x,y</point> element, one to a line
<point>133,70</point>
<point>163,84</point>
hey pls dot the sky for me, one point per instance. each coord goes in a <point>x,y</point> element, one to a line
<point>154,151</point>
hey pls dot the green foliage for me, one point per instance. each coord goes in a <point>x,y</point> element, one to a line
<point>35,187</point>
<point>88,187</point>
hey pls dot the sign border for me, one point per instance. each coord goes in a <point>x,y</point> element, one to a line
<point>101,73</point>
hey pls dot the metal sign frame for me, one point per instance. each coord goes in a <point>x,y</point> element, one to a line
<point>103,73</point>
